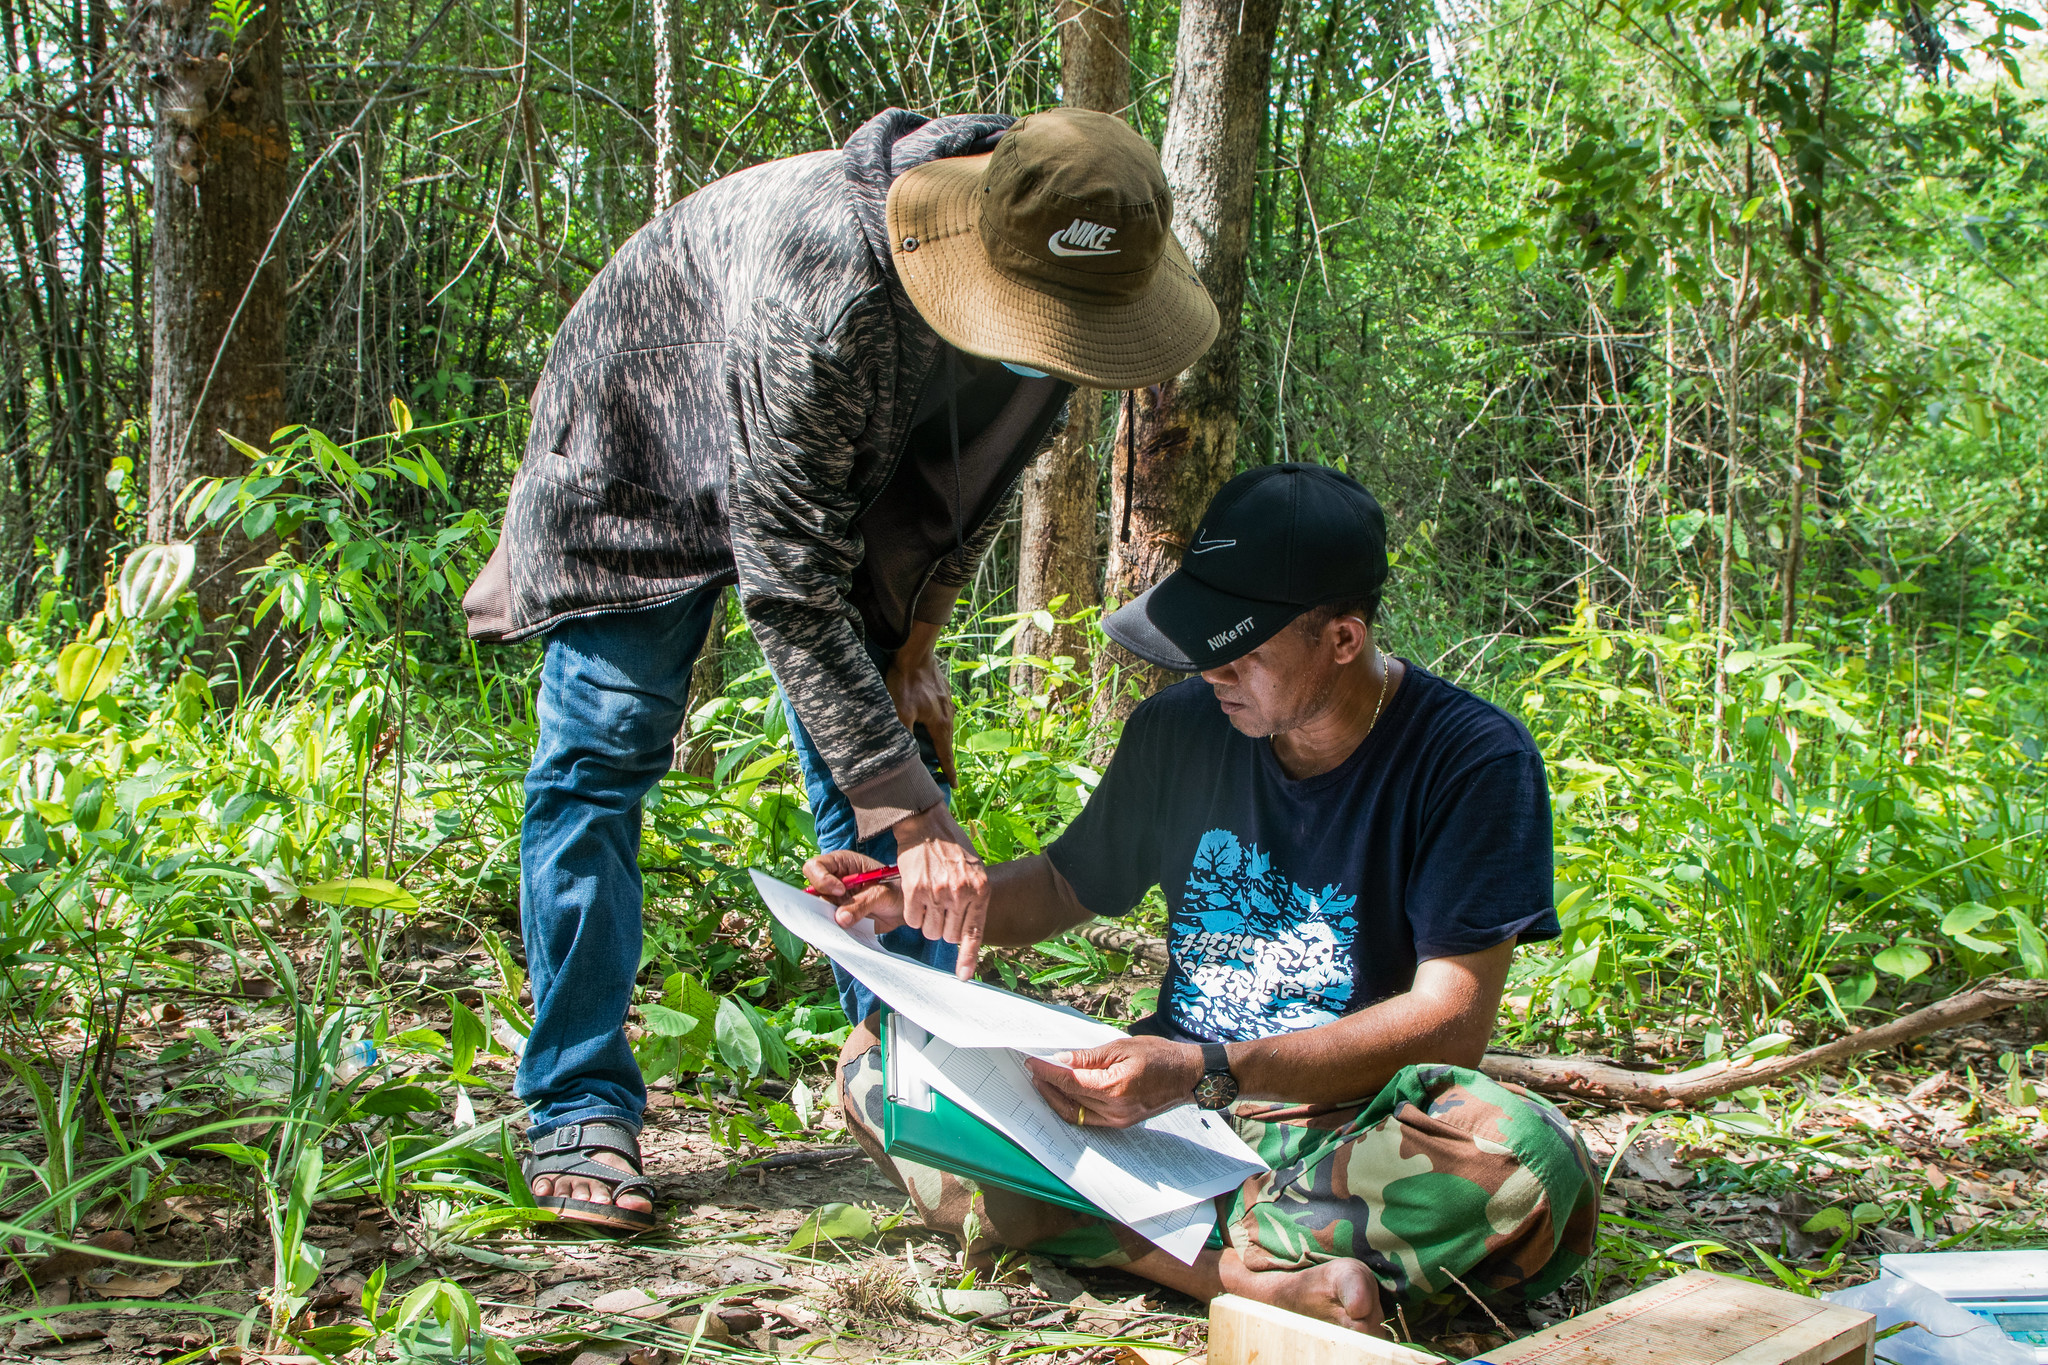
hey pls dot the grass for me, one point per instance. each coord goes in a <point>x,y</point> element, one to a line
<point>206,909</point>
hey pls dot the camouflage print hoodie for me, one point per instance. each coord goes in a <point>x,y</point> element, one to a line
<point>746,394</point>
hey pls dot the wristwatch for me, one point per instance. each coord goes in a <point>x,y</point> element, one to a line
<point>1218,1088</point>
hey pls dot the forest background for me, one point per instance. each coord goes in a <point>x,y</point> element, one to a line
<point>1689,346</point>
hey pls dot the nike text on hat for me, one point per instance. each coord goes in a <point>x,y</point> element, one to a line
<point>1274,542</point>
<point>1055,251</point>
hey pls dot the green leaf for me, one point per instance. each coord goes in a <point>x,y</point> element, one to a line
<point>1965,917</point>
<point>832,1223</point>
<point>86,670</point>
<point>2033,945</point>
<point>1903,961</point>
<point>1827,1220</point>
<point>395,1098</point>
<point>739,1045</point>
<point>685,994</point>
<point>373,893</point>
<point>236,1152</point>
<point>1526,252</point>
<point>337,1340</point>
<point>466,1035</point>
<point>668,1023</point>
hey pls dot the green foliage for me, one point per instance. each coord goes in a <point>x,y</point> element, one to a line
<point>1770,845</point>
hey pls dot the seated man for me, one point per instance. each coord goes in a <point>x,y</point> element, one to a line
<point>1350,849</point>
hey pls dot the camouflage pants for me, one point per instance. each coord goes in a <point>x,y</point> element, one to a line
<point>1445,1173</point>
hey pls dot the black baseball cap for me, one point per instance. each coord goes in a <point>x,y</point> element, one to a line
<point>1274,542</point>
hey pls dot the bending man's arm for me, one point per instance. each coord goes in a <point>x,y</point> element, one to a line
<point>1446,1016</point>
<point>1028,900</point>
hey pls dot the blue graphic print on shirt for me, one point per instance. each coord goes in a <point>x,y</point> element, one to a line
<point>1254,954</point>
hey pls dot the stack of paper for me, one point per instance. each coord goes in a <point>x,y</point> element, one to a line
<point>1157,1178</point>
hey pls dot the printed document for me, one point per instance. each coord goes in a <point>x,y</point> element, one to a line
<point>964,1013</point>
<point>1157,1177</point>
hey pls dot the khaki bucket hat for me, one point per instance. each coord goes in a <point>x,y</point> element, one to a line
<point>1054,251</point>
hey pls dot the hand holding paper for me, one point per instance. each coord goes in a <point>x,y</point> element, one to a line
<point>1154,1169</point>
<point>1120,1083</point>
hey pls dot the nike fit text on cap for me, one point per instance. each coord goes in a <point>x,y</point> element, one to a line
<point>1274,542</point>
<point>1055,251</point>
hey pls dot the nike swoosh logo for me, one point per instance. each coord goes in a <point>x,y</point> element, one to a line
<point>1053,243</point>
<point>1204,545</point>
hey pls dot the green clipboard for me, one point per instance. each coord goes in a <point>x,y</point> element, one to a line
<point>923,1125</point>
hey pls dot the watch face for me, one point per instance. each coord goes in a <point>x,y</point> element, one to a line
<point>1216,1090</point>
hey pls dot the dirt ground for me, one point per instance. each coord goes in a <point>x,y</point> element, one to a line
<point>718,1277</point>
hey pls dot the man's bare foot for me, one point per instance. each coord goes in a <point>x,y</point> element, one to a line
<point>1343,1292</point>
<point>588,1190</point>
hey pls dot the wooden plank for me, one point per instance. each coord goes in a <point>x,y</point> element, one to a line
<point>1700,1319</point>
<point>1245,1332</point>
<point>1834,1336</point>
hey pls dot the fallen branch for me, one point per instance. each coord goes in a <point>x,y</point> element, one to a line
<point>1586,1079</point>
<point>783,1161</point>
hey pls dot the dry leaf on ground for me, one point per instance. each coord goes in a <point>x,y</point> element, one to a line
<point>155,1286</point>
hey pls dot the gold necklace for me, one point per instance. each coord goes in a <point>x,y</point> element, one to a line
<point>1380,700</point>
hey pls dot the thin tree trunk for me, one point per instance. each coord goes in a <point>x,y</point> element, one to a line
<point>1058,550</point>
<point>1724,619</point>
<point>1795,537</point>
<point>1815,263</point>
<point>664,109</point>
<point>221,189</point>
<point>1186,438</point>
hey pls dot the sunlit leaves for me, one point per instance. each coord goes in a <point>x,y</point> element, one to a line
<point>1903,960</point>
<point>373,893</point>
<point>84,670</point>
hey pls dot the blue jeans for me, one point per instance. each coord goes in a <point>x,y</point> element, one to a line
<point>837,829</point>
<point>613,692</point>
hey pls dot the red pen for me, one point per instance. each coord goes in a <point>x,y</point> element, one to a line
<point>860,879</point>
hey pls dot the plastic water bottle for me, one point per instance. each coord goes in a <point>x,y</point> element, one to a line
<point>268,1070</point>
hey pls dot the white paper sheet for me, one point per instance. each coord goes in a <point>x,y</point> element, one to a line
<point>1166,1163</point>
<point>1157,1178</point>
<point>965,1013</point>
<point>1180,1232</point>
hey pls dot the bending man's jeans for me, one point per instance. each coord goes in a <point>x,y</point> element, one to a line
<point>613,692</point>
<point>837,830</point>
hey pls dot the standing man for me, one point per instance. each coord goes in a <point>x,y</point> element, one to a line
<point>817,378</point>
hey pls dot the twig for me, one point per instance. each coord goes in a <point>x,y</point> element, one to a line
<point>1012,1312</point>
<point>1505,1329</point>
<point>788,1161</point>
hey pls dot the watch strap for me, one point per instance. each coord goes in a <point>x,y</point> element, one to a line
<point>1215,1060</point>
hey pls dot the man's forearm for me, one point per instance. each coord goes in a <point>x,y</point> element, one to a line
<point>1446,1017</point>
<point>1029,902</point>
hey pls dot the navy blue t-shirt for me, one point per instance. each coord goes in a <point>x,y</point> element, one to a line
<point>1296,902</point>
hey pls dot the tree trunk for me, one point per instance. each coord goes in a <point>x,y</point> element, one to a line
<point>222,147</point>
<point>1187,427</point>
<point>1057,552</point>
